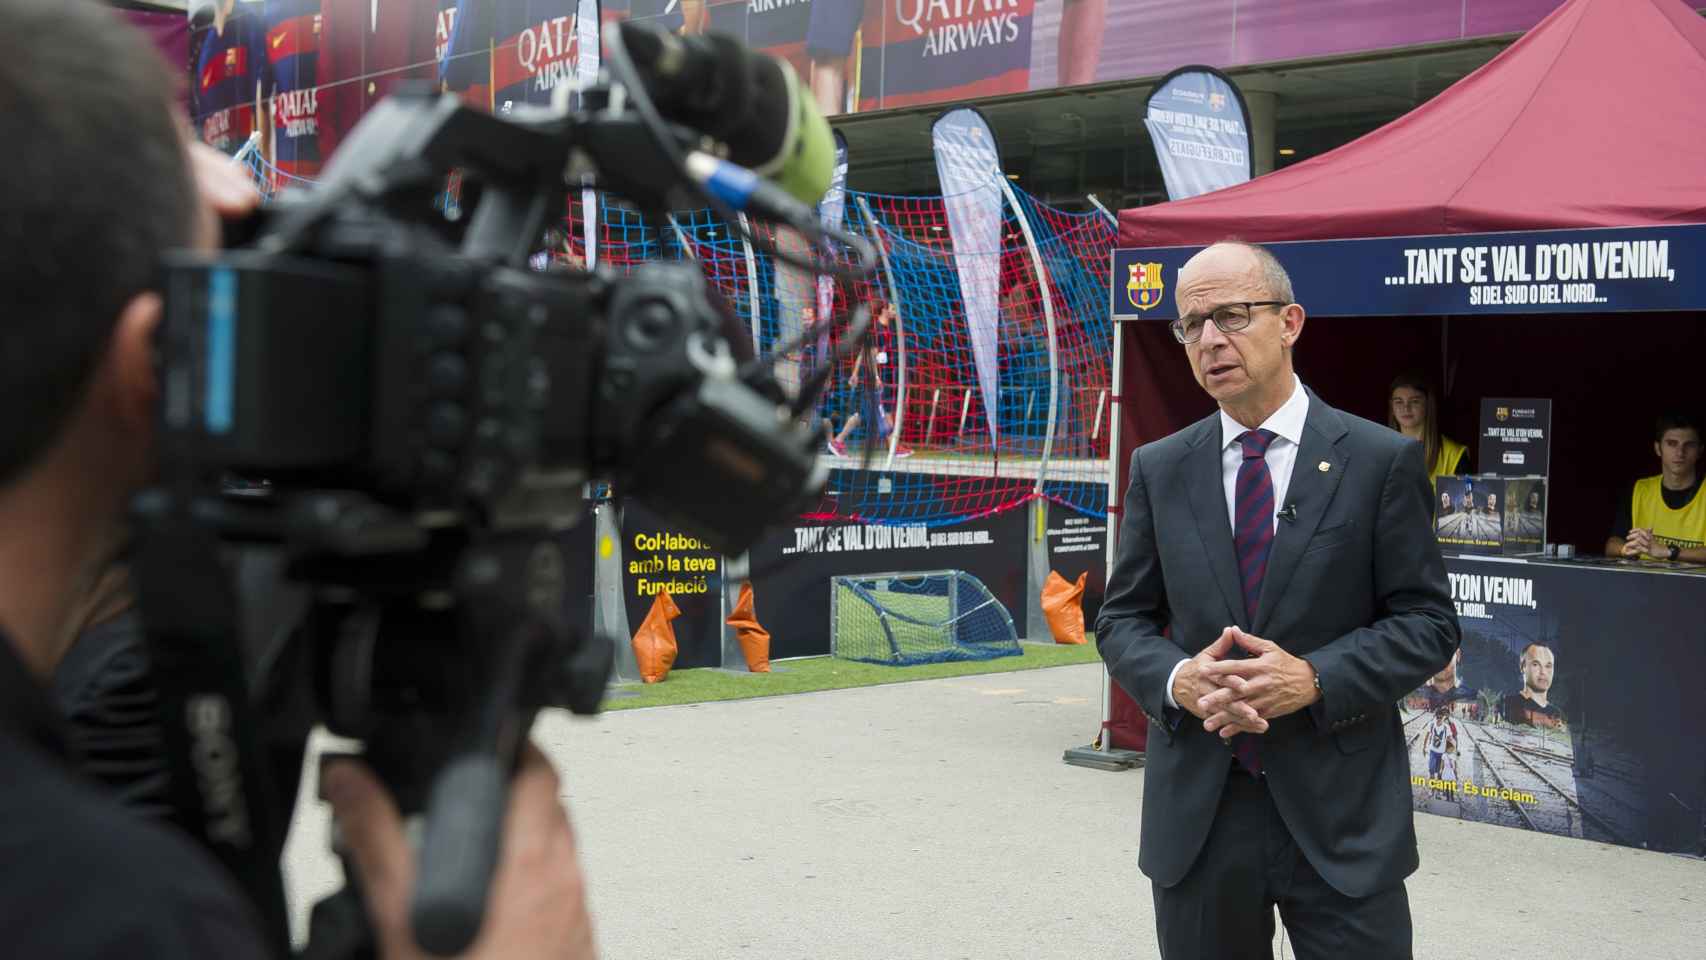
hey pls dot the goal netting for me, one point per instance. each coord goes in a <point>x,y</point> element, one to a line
<point>903,619</point>
<point>922,432</point>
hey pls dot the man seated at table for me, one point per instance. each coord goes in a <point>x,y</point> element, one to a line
<point>1664,517</point>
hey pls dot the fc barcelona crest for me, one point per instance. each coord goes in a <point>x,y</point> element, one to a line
<point>1144,286</point>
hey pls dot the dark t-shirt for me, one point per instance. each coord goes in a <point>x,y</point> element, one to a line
<point>108,706</point>
<point>1518,709</point>
<point>1674,499</point>
<point>86,878</point>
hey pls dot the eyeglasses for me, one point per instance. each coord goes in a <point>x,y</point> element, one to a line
<point>1228,318</point>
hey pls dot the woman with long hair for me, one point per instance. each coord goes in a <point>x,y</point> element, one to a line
<point>1412,409</point>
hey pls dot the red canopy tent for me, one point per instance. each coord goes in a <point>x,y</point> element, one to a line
<point>1594,118</point>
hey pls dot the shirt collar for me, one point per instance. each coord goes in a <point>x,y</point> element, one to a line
<point>1286,422</point>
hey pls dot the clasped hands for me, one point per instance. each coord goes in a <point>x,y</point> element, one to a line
<point>1233,696</point>
<point>1641,543</point>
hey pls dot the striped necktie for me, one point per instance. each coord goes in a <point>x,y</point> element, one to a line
<point>1253,537</point>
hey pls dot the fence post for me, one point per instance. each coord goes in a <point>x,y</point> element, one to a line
<point>681,238</point>
<point>752,284</point>
<point>1048,322</point>
<point>609,611</point>
<point>1037,564</point>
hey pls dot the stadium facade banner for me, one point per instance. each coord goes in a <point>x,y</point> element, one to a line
<point>968,164</point>
<point>1200,126</point>
<point>1597,270</point>
<point>857,55</point>
<point>1571,707</point>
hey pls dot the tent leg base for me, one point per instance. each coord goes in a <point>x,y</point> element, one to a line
<point>1103,759</point>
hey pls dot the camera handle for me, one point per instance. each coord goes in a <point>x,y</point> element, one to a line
<point>502,650</point>
<point>504,595</point>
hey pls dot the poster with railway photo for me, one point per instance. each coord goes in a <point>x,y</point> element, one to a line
<point>1488,737</point>
<point>1467,518</point>
<point>1525,515</point>
<point>1570,708</point>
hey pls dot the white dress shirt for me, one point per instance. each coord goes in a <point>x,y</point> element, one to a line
<point>1287,425</point>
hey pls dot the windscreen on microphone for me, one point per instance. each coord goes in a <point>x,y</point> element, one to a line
<point>748,101</point>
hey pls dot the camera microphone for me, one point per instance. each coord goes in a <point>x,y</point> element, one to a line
<point>744,190</point>
<point>752,102</point>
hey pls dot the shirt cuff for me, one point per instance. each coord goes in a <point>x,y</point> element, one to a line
<point>1168,694</point>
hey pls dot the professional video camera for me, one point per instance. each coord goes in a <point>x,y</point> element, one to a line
<point>396,414</point>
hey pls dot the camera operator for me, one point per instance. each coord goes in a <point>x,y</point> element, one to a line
<point>97,182</point>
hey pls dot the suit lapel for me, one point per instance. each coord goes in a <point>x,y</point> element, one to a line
<point>1311,490</point>
<point>1207,485</point>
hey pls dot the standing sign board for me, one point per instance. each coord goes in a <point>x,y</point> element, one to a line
<point>1516,437</point>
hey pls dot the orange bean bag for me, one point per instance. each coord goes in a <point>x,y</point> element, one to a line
<point>654,642</point>
<point>754,639</point>
<point>1063,607</point>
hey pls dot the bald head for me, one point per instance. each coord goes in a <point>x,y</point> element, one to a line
<point>1239,299</point>
<point>1254,262</point>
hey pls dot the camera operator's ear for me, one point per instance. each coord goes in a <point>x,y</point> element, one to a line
<point>131,358</point>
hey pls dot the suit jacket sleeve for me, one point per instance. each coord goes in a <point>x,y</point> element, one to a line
<point>1415,630</point>
<point>1134,612</point>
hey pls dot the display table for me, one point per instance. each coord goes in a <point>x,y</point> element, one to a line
<point>1611,745</point>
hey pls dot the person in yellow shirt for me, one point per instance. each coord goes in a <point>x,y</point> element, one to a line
<point>1664,517</point>
<point>1412,410</point>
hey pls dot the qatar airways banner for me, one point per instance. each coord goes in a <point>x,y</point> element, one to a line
<point>341,56</point>
<point>852,55</point>
<point>968,163</point>
<point>883,54</point>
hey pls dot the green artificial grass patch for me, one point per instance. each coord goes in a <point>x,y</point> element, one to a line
<point>826,673</point>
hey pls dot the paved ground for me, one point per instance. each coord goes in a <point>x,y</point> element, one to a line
<point>935,821</point>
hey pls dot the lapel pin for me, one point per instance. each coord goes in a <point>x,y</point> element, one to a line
<point>1323,466</point>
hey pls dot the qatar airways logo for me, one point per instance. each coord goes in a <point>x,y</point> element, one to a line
<point>953,26</point>
<point>294,111</point>
<point>547,52</point>
<point>551,41</point>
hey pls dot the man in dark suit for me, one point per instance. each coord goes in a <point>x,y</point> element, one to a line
<point>1277,590</point>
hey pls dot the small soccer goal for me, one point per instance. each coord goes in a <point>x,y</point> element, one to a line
<point>909,618</point>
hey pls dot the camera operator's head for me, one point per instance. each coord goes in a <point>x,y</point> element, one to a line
<point>96,184</point>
